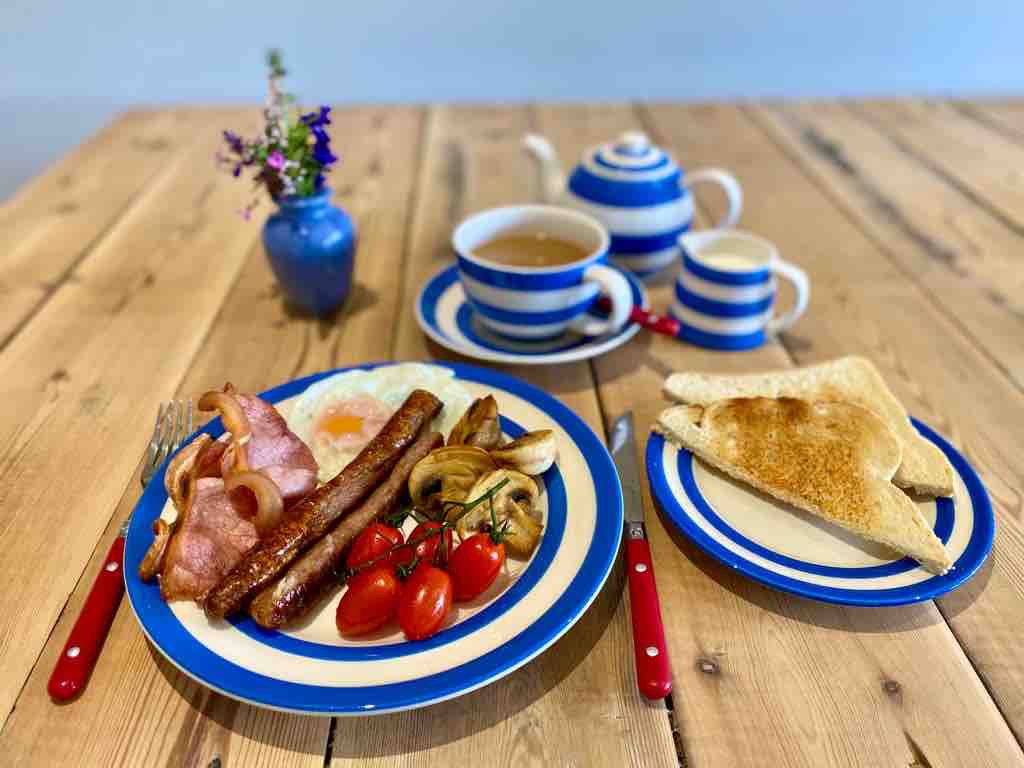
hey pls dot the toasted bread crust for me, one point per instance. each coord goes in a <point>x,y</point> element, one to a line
<point>833,459</point>
<point>923,467</point>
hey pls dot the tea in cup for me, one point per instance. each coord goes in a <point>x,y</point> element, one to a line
<point>531,272</point>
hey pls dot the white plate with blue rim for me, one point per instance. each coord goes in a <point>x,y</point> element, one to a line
<point>795,552</point>
<point>446,316</point>
<point>310,669</point>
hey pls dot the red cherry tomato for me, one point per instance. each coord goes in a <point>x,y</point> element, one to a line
<point>374,541</point>
<point>430,550</point>
<point>369,602</point>
<point>474,565</point>
<point>425,601</point>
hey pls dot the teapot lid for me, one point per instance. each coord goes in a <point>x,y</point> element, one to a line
<point>628,172</point>
<point>632,157</point>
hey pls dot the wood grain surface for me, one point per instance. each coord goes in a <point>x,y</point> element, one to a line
<point>127,279</point>
<point>575,704</point>
<point>963,256</point>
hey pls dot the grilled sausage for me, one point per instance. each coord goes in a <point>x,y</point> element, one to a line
<point>311,575</point>
<point>312,517</point>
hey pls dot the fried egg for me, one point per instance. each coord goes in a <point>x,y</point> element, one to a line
<point>339,415</point>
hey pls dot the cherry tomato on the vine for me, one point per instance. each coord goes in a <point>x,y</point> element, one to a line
<point>376,539</point>
<point>431,550</point>
<point>369,602</point>
<point>425,601</point>
<point>474,565</point>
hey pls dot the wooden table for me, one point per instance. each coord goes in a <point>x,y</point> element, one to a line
<point>126,279</point>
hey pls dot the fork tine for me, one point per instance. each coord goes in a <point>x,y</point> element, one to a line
<point>153,449</point>
<point>191,424</point>
<point>179,425</point>
<point>167,434</point>
<point>185,414</point>
<point>154,441</point>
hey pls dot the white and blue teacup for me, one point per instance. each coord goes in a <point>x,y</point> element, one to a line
<point>535,303</point>
<point>725,291</point>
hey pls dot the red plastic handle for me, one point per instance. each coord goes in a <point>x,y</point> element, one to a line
<point>653,673</point>
<point>76,661</point>
<point>664,324</point>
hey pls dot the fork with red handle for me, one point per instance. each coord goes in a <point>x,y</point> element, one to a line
<point>75,663</point>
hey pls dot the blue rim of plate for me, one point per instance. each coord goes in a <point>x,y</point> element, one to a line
<point>487,345</point>
<point>971,559</point>
<point>170,637</point>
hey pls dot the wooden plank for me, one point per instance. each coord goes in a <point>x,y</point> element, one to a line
<point>80,385</point>
<point>962,256</point>
<point>53,222</point>
<point>978,159</point>
<point>256,343</point>
<point>1006,117</point>
<point>576,703</point>
<point>874,687</point>
<point>630,378</point>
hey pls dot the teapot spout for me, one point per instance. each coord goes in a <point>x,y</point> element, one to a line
<point>551,181</point>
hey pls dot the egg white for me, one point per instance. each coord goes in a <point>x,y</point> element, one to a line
<point>390,385</point>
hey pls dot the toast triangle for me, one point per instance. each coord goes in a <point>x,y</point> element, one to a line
<point>923,469</point>
<point>834,460</point>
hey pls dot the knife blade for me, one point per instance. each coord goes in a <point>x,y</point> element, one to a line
<point>653,672</point>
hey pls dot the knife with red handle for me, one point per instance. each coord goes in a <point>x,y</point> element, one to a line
<point>75,664</point>
<point>653,672</point>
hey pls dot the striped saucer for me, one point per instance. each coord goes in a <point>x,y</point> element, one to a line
<point>446,316</point>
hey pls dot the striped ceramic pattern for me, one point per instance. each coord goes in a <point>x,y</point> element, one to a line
<point>445,315</point>
<point>536,305</point>
<point>634,189</point>
<point>722,310</point>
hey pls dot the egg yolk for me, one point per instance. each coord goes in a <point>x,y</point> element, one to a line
<point>352,422</point>
<point>342,424</point>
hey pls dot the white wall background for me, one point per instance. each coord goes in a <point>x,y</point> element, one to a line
<point>66,67</point>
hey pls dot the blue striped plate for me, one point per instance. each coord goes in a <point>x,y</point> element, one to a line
<point>795,552</point>
<point>445,316</point>
<point>311,670</point>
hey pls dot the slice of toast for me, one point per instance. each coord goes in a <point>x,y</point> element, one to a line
<point>924,468</point>
<point>835,460</point>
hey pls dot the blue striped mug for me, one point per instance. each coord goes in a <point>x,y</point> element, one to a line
<point>535,303</point>
<point>725,291</point>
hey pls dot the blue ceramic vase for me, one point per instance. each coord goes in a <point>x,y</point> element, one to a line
<point>311,247</point>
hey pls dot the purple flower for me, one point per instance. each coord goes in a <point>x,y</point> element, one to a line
<point>322,153</point>
<point>315,120</point>
<point>235,142</point>
<point>237,170</point>
<point>276,160</point>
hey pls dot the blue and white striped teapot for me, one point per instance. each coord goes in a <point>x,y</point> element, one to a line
<point>636,191</point>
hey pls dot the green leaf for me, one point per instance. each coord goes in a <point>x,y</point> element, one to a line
<point>275,63</point>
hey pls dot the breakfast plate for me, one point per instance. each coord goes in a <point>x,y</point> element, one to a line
<point>795,552</point>
<point>311,669</point>
<point>445,316</point>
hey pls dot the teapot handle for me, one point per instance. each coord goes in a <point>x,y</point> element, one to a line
<point>729,185</point>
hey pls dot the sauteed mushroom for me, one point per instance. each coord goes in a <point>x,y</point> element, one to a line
<point>514,506</point>
<point>447,474</point>
<point>479,425</point>
<point>531,454</point>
